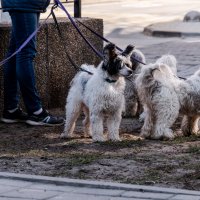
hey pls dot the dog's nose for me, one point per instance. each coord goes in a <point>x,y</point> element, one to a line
<point>130,72</point>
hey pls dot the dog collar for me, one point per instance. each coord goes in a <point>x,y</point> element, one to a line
<point>109,80</point>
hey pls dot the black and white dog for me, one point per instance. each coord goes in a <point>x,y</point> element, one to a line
<point>99,95</point>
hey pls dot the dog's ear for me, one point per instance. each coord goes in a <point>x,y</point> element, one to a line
<point>165,69</point>
<point>156,73</point>
<point>110,51</point>
<point>128,51</point>
<point>159,73</point>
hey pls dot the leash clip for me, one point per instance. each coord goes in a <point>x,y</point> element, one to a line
<point>55,5</point>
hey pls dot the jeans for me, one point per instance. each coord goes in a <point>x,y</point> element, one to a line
<point>19,71</point>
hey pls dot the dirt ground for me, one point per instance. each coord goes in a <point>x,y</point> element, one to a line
<point>40,151</point>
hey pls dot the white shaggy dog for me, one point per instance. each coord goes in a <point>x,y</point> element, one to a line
<point>168,60</point>
<point>99,95</point>
<point>184,99</point>
<point>156,96</point>
<point>188,93</point>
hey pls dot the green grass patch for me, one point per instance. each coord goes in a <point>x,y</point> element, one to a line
<point>123,144</point>
<point>182,139</point>
<point>150,177</point>
<point>194,149</point>
<point>83,159</point>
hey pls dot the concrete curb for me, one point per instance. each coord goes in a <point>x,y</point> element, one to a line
<point>173,29</point>
<point>94,184</point>
<point>150,31</point>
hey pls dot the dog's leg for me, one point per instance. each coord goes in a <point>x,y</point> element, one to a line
<point>185,126</point>
<point>73,109</point>
<point>135,108</point>
<point>113,123</point>
<point>96,120</point>
<point>189,125</point>
<point>143,114</point>
<point>131,108</point>
<point>195,125</point>
<point>86,122</point>
<point>162,132</point>
<point>163,121</point>
<point>148,124</point>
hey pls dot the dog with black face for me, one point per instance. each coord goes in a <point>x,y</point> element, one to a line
<point>99,95</point>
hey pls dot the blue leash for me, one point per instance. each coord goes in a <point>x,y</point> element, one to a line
<point>76,27</point>
<point>64,45</point>
<point>106,40</point>
<point>74,24</point>
<point>57,2</point>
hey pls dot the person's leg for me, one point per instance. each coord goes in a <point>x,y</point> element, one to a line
<point>24,24</point>
<point>11,113</point>
<point>11,96</point>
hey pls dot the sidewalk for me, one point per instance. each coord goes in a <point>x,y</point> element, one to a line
<point>16,186</point>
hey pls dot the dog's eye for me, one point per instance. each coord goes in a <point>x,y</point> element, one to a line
<point>128,65</point>
<point>120,64</point>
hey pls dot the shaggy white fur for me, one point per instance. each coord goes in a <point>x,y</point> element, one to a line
<point>168,60</point>
<point>185,99</point>
<point>133,106</point>
<point>99,95</point>
<point>188,93</point>
<point>156,95</point>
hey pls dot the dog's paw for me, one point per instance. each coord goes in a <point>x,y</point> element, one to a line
<point>114,139</point>
<point>156,137</point>
<point>186,131</point>
<point>144,135</point>
<point>64,135</point>
<point>168,136</point>
<point>195,130</point>
<point>87,134</point>
<point>98,139</point>
<point>196,133</point>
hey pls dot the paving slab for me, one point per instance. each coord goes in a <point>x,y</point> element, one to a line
<point>51,188</point>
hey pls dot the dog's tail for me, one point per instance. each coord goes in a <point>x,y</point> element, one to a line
<point>89,68</point>
<point>170,61</point>
<point>154,74</point>
<point>82,77</point>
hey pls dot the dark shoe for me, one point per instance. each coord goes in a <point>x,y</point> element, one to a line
<point>17,116</point>
<point>44,119</point>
